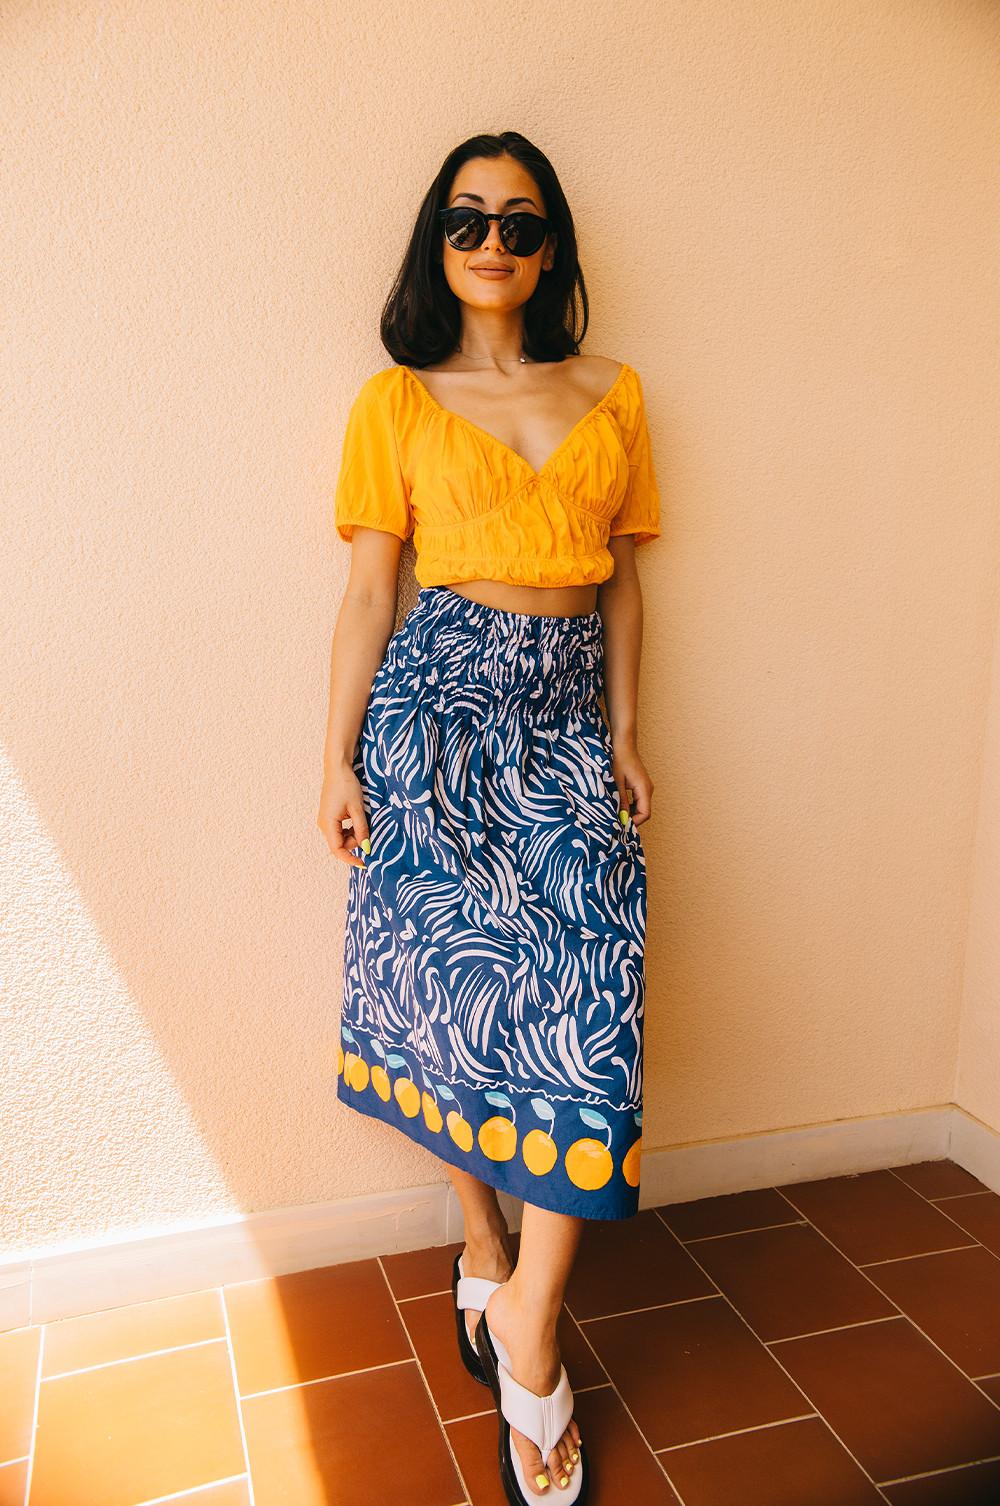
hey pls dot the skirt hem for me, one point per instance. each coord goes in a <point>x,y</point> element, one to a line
<point>440,1144</point>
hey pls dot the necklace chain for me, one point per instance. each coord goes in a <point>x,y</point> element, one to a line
<point>469,357</point>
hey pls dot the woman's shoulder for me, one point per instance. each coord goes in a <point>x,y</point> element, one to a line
<point>609,380</point>
<point>382,383</point>
<point>616,387</point>
<point>602,368</point>
<point>378,400</point>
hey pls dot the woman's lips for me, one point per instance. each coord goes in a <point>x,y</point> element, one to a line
<point>492,274</point>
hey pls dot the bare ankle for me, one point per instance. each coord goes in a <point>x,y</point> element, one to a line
<point>538,1312</point>
<point>490,1247</point>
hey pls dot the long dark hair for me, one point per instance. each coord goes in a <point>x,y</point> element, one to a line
<point>421,322</point>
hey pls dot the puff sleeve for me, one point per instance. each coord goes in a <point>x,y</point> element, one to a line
<point>371,488</point>
<point>639,513</point>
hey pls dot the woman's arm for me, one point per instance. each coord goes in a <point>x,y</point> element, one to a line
<point>363,628</point>
<point>619,602</point>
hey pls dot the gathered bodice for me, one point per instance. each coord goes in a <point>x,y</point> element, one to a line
<point>476,509</point>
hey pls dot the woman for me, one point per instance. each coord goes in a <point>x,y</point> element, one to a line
<point>495,933</point>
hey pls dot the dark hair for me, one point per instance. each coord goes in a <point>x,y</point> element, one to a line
<point>421,322</point>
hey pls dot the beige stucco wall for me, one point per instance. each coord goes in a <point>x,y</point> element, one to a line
<point>788,224</point>
<point>978,1074</point>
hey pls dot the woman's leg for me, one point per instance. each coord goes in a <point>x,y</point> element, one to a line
<point>523,1313</point>
<point>488,1249</point>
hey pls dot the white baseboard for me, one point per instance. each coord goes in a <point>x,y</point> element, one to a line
<point>42,1286</point>
<point>975,1146</point>
<point>836,1148</point>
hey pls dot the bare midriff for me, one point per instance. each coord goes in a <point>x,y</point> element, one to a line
<point>540,601</point>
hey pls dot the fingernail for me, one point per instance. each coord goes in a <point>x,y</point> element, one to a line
<point>366,845</point>
<point>541,1481</point>
<point>623,817</point>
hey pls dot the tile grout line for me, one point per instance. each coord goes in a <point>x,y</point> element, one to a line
<point>949,1196</point>
<point>34,1413</point>
<point>949,1469</point>
<point>236,1392</point>
<point>756,1427</point>
<point>974,1192</point>
<point>802,1392</point>
<point>654,1307</point>
<point>814,1333</point>
<point>625,1406</point>
<point>322,1380</point>
<point>131,1359</point>
<point>598,1317</point>
<point>467,1493</point>
<point>700,1239</point>
<point>864,1265</point>
<point>904,1315</point>
<point>179,1495</point>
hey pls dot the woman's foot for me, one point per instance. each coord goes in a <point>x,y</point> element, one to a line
<point>535,1362</point>
<point>493,1262</point>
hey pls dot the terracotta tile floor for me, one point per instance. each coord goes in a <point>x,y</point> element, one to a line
<point>825,1343</point>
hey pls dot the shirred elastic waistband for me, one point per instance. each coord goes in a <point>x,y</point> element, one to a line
<point>451,641</point>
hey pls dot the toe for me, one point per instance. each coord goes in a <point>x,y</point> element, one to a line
<point>532,1463</point>
<point>561,1462</point>
<point>557,1469</point>
<point>471,1319</point>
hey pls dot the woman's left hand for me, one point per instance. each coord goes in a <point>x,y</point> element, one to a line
<point>635,788</point>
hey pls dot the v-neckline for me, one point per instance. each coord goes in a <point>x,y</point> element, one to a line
<point>485,433</point>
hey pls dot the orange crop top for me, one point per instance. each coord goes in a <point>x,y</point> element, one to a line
<point>475,508</point>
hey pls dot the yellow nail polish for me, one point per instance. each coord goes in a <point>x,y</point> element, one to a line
<point>574,1455</point>
<point>541,1480</point>
<point>366,845</point>
<point>564,1480</point>
<point>623,817</point>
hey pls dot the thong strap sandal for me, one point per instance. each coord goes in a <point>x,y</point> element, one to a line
<point>469,1291</point>
<point>543,1419</point>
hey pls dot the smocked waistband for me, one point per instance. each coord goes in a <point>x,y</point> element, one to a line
<point>454,639</point>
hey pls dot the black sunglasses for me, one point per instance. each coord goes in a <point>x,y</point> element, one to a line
<point>467,228</point>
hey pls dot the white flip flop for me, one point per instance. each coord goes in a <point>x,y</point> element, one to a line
<point>469,1291</point>
<point>543,1419</point>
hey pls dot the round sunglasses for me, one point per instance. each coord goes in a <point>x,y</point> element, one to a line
<point>466,228</point>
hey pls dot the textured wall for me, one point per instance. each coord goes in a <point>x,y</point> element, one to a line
<point>978,1077</point>
<point>788,226</point>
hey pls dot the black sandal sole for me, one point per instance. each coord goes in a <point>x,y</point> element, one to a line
<point>467,1350</point>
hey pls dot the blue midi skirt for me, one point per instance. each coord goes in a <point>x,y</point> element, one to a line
<point>494,940</point>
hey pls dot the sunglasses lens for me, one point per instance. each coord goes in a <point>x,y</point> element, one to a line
<point>464,228</point>
<point>523,233</point>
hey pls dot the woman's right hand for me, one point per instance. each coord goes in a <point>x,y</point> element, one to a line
<point>341,800</point>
